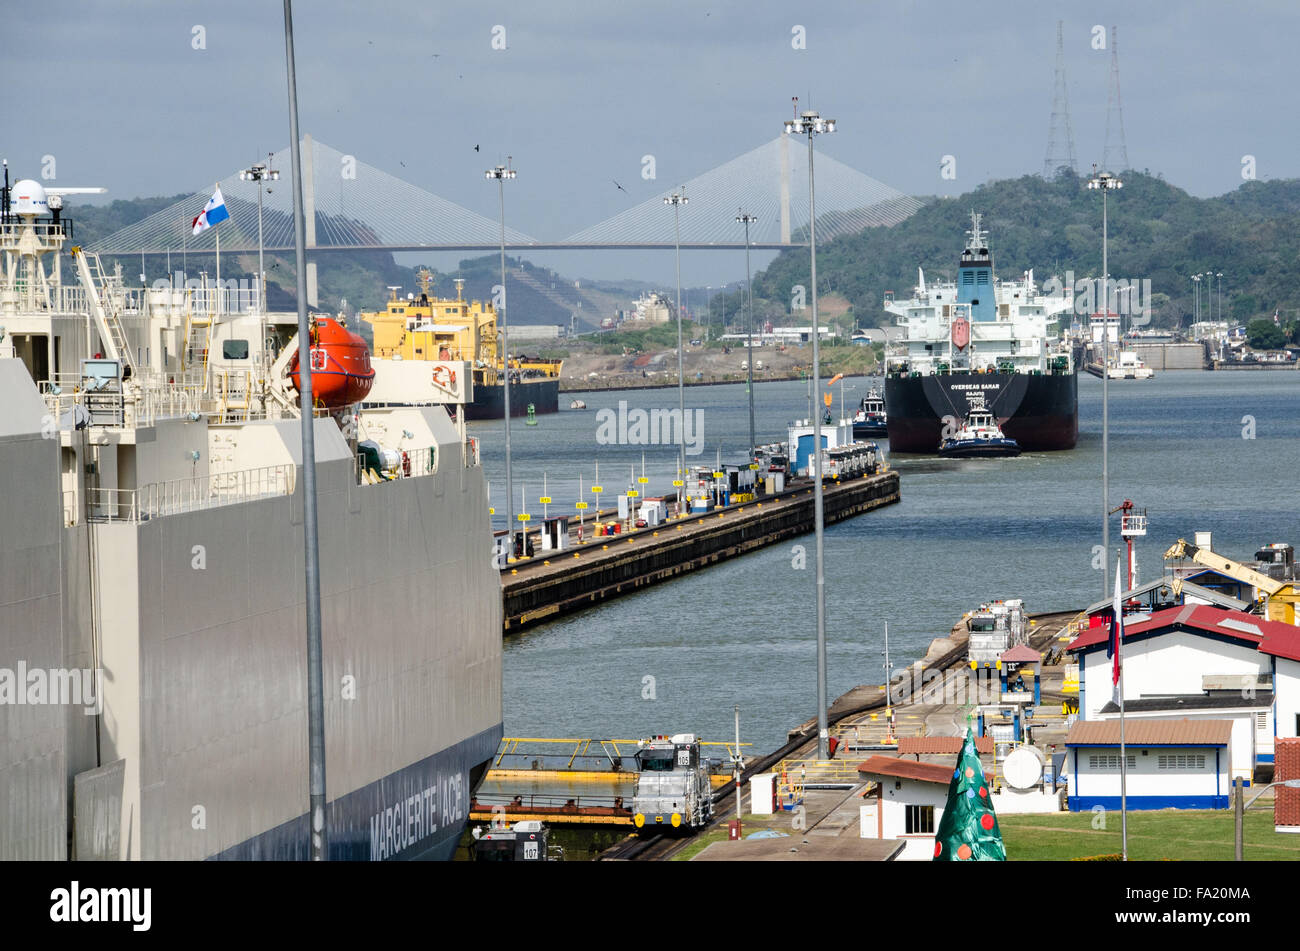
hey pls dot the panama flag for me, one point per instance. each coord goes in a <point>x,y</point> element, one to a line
<point>1116,632</point>
<point>214,212</point>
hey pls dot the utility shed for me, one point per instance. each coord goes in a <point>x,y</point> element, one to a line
<point>1251,716</point>
<point>1179,764</point>
<point>908,804</point>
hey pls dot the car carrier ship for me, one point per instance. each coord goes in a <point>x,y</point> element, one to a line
<point>980,335</point>
<point>152,615</point>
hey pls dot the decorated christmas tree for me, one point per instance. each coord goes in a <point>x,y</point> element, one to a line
<point>968,831</point>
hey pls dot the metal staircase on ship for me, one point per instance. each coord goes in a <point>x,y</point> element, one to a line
<point>98,290</point>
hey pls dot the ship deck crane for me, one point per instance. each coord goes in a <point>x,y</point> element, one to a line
<point>1280,597</point>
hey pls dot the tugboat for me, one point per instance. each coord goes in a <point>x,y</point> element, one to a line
<point>870,419</point>
<point>979,438</point>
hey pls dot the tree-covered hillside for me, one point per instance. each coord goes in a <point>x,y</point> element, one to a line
<point>1157,232</point>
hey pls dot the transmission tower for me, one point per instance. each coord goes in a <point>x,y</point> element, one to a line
<point>1060,153</point>
<point>1114,158</point>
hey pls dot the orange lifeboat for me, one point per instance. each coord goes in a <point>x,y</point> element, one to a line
<point>340,365</point>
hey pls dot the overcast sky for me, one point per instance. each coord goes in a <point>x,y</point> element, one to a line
<point>118,94</point>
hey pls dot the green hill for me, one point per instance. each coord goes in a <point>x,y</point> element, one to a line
<point>1157,232</point>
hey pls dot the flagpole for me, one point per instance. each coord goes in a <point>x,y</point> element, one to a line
<point>1123,757</point>
<point>216,188</point>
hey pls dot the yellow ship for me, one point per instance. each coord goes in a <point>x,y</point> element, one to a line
<point>432,328</point>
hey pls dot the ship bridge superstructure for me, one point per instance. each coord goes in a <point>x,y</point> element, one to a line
<point>977,322</point>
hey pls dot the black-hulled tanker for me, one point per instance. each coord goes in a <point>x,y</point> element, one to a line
<point>979,340</point>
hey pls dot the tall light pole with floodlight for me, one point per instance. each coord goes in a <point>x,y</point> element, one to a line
<point>260,173</point>
<point>810,124</point>
<point>1105,182</point>
<point>677,199</point>
<point>501,173</point>
<point>748,219</point>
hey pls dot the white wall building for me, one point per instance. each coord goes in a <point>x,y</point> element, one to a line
<point>1181,764</point>
<point>908,803</point>
<point>1251,719</point>
<point>1198,651</point>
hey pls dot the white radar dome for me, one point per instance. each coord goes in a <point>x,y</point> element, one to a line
<point>29,198</point>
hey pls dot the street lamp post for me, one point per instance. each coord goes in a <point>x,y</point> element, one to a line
<point>318,830</point>
<point>811,124</point>
<point>677,199</point>
<point>500,173</point>
<point>1218,283</point>
<point>260,173</point>
<point>1196,299</point>
<point>1105,182</point>
<point>749,219</point>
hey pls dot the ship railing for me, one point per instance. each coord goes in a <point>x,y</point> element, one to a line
<point>127,409</point>
<point>411,464</point>
<point>163,400</point>
<point>178,496</point>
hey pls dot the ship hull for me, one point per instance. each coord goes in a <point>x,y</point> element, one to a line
<point>870,430</point>
<point>1041,413</point>
<point>981,449</point>
<point>414,814</point>
<point>489,401</point>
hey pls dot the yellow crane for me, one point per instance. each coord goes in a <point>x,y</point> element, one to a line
<point>1280,597</point>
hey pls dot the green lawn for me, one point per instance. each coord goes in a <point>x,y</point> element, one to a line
<point>1174,834</point>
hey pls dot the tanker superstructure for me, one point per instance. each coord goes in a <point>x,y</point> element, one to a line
<point>412,332</point>
<point>980,335</point>
<point>151,573</point>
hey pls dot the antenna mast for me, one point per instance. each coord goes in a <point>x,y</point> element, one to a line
<point>1114,159</point>
<point>1060,153</point>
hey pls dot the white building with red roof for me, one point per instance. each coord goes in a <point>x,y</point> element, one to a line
<point>908,803</point>
<point>1195,661</point>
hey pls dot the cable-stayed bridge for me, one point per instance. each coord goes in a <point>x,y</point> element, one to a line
<point>353,206</point>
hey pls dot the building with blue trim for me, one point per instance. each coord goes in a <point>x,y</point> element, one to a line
<point>1197,660</point>
<point>1179,764</point>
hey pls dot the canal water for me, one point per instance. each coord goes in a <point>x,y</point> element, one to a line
<point>1198,450</point>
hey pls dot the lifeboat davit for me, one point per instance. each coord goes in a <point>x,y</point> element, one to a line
<point>340,365</point>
